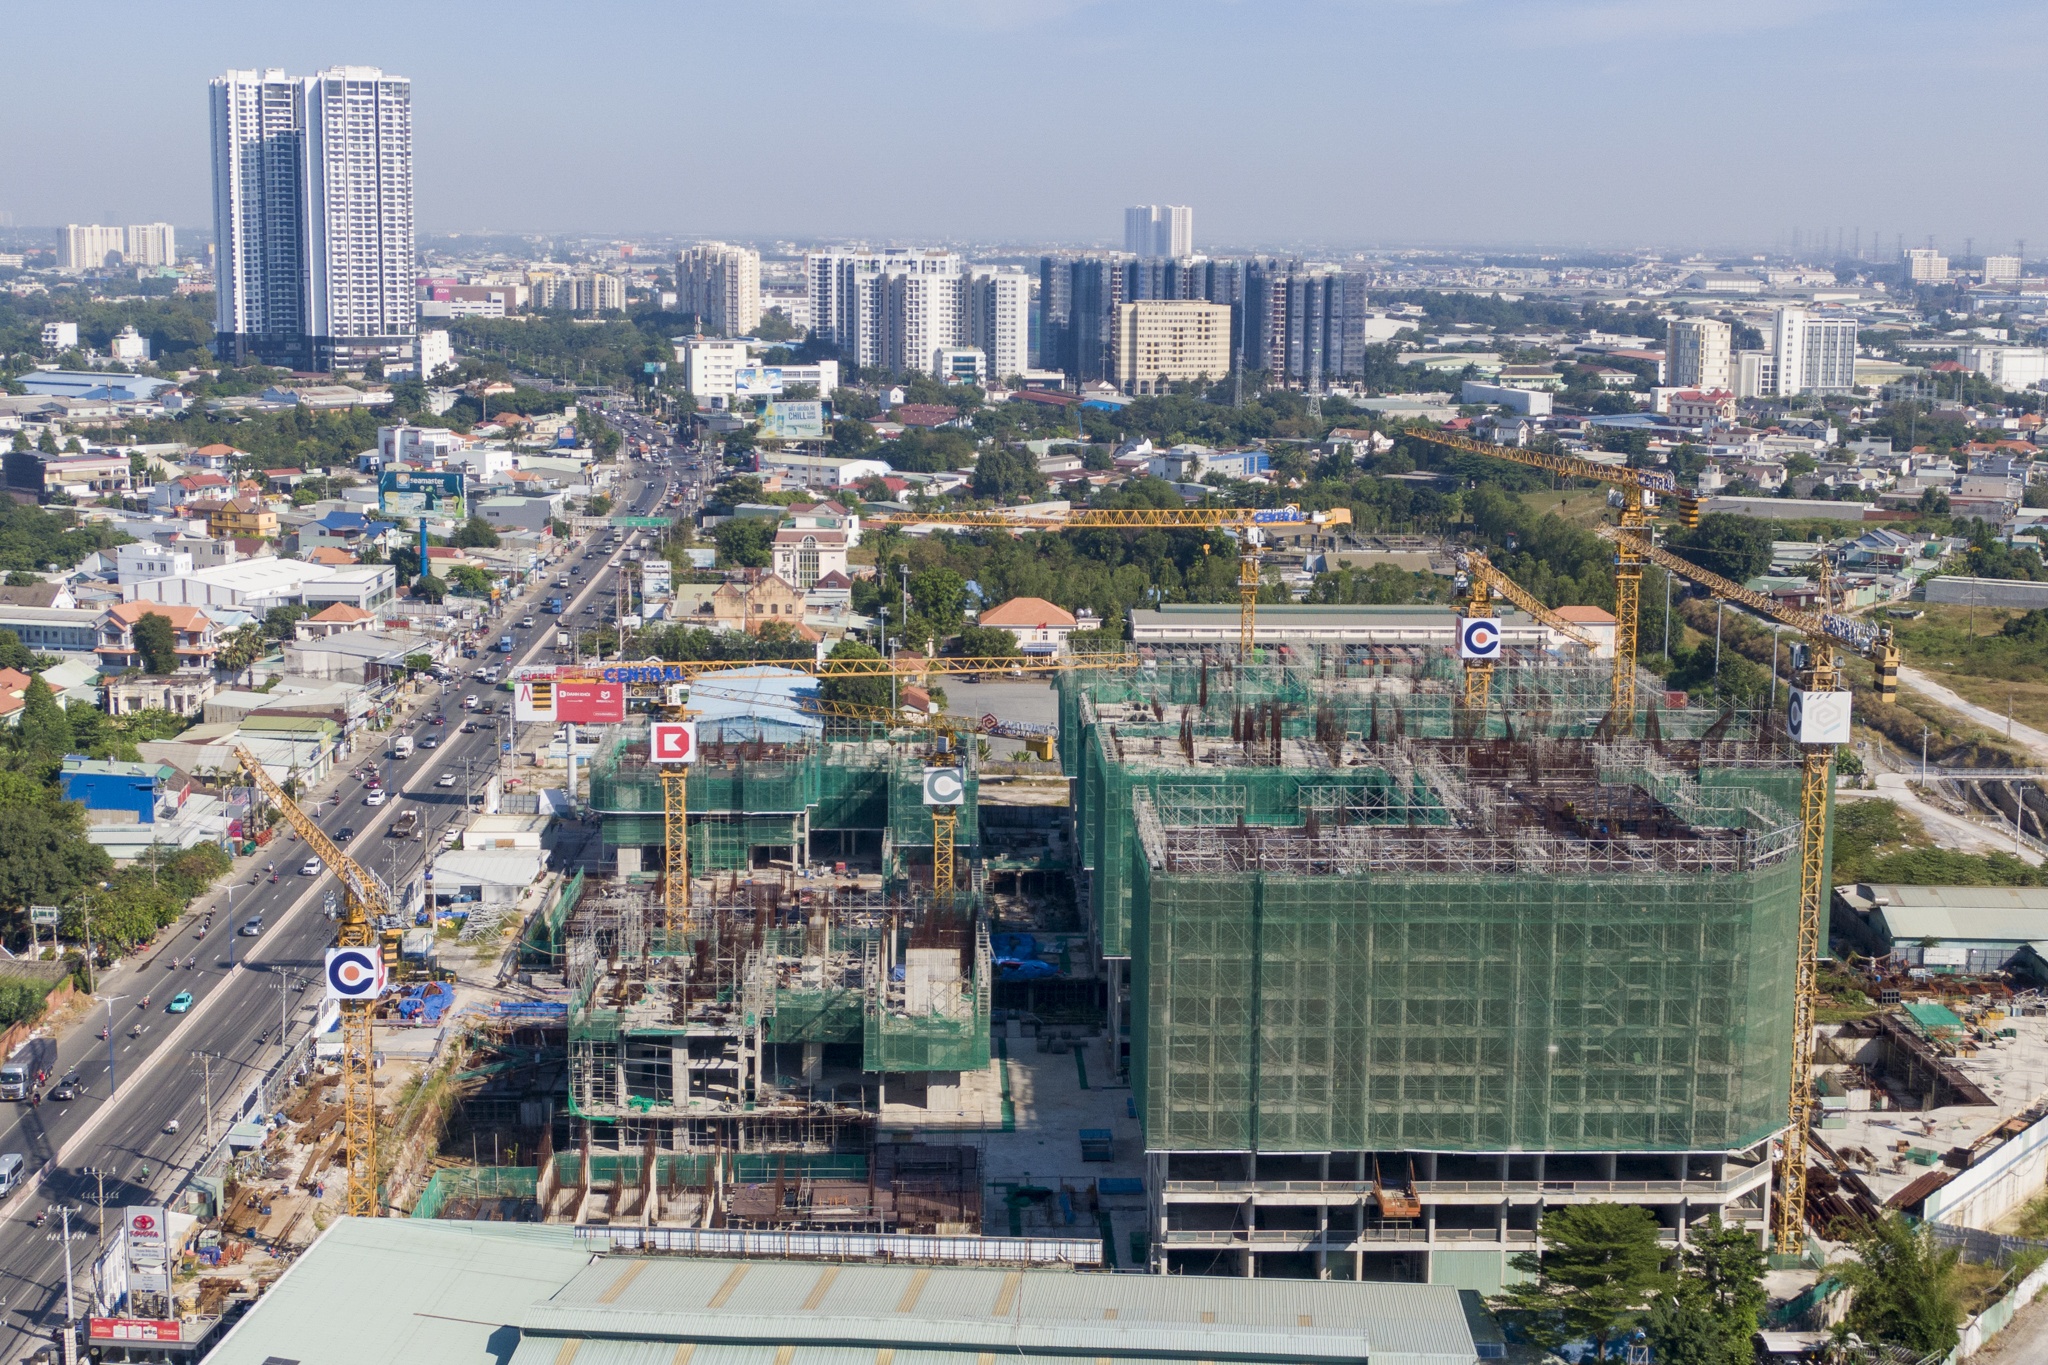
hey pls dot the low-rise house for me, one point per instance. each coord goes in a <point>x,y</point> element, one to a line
<point>803,555</point>
<point>13,691</point>
<point>746,604</point>
<point>194,633</point>
<point>181,694</point>
<point>49,596</point>
<point>238,518</point>
<point>336,619</point>
<point>1039,626</point>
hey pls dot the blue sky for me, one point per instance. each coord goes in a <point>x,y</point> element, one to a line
<point>1283,122</point>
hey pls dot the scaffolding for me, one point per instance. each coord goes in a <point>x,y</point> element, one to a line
<point>1360,915</point>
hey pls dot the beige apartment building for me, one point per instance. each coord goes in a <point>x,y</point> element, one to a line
<point>1160,342</point>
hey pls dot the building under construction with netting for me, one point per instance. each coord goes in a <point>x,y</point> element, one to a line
<point>1394,976</point>
<point>844,793</point>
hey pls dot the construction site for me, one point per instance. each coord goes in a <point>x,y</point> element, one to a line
<point>1393,975</point>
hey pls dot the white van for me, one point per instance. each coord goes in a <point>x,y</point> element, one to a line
<point>11,1166</point>
<point>402,747</point>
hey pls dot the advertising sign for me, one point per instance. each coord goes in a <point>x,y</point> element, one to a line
<point>943,787</point>
<point>533,700</point>
<point>1479,638</point>
<point>148,1240</point>
<point>672,741</point>
<point>418,492</point>
<point>354,973</point>
<point>657,580</point>
<point>756,381</point>
<point>132,1329</point>
<point>590,703</point>
<point>804,421</point>
<point>1818,717</point>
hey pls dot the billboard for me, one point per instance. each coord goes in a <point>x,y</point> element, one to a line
<point>134,1329</point>
<point>533,700</point>
<point>672,741</point>
<point>413,493</point>
<point>149,1249</point>
<point>590,703</point>
<point>657,580</point>
<point>756,381</point>
<point>804,421</point>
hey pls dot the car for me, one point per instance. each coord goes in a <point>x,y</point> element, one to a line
<point>344,834</point>
<point>445,780</point>
<point>251,927</point>
<point>526,623</point>
<point>180,1002</point>
<point>70,1088</point>
<point>469,702</point>
<point>450,837</point>
<point>438,720</point>
<point>468,727</point>
<point>312,867</point>
<point>489,708</point>
<point>430,742</point>
<point>376,797</point>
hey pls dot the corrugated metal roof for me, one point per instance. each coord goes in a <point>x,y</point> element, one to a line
<point>504,866</point>
<point>754,703</point>
<point>952,1312</point>
<point>1958,897</point>
<point>2011,925</point>
<point>405,1289</point>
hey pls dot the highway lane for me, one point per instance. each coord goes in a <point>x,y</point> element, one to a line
<point>235,1016</point>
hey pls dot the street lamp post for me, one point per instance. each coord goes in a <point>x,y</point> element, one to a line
<point>110,1043</point>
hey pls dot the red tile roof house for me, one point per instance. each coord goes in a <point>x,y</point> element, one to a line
<point>929,415</point>
<point>1040,627</point>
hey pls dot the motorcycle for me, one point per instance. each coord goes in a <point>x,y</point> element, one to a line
<point>103,1035</point>
<point>171,1127</point>
<point>42,1217</point>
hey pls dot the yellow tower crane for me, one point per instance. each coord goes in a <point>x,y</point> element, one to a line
<point>1818,721</point>
<point>363,900</point>
<point>1639,489</point>
<point>1249,524</point>
<point>1484,581</point>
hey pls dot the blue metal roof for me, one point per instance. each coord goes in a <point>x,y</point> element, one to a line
<point>755,704</point>
<point>92,384</point>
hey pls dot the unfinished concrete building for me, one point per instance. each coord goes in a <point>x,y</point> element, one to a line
<point>1393,978</point>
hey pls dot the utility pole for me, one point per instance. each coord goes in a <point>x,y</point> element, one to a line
<point>1667,615</point>
<point>70,1302</point>
<point>1718,605</point>
<point>112,1085</point>
<point>1923,753</point>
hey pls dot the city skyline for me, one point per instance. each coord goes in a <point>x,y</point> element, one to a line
<point>1404,123</point>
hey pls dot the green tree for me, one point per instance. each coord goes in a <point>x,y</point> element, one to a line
<point>156,640</point>
<point>243,646</point>
<point>43,726</point>
<point>44,857</point>
<point>745,542</point>
<point>469,580</point>
<point>598,505</point>
<point>1908,1290</point>
<point>279,622</point>
<point>1712,1312</point>
<point>988,642</point>
<point>474,534</point>
<point>428,588</point>
<point>47,442</point>
<point>1732,546</point>
<point>939,595</point>
<point>857,691</point>
<point>419,663</point>
<point>1007,475</point>
<point>14,654</point>
<point>1599,1272</point>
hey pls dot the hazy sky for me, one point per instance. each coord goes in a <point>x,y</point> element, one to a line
<point>1611,122</point>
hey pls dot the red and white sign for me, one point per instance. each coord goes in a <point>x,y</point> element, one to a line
<point>672,741</point>
<point>133,1329</point>
<point>590,703</point>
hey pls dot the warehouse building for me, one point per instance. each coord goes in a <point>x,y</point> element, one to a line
<point>393,1288</point>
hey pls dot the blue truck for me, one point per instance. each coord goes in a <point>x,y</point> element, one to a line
<point>504,644</point>
<point>554,606</point>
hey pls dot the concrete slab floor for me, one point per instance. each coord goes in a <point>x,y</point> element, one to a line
<point>2013,1072</point>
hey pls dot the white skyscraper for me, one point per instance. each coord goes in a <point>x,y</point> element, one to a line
<point>1813,354</point>
<point>1696,352</point>
<point>1159,230</point>
<point>152,244</point>
<point>999,321</point>
<point>722,285</point>
<point>86,246</point>
<point>313,218</point>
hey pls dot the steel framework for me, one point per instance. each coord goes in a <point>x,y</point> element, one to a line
<point>363,900</point>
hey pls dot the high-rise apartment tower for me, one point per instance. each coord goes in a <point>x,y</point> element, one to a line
<point>313,218</point>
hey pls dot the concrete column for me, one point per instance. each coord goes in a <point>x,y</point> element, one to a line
<point>1540,1167</point>
<point>1684,1215</point>
<point>1429,1165</point>
<point>814,1061</point>
<point>1503,1159</point>
<point>1609,1163</point>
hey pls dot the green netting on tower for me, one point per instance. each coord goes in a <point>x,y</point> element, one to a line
<point>1584,1010</point>
<point>944,1030</point>
<point>853,787</point>
<point>725,843</point>
<point>910,819</point>
<point>825,1016</point>
<point>749,786</point>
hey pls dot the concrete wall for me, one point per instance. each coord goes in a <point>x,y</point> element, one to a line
<point>1986,592</point>
<point>2010,1176</point>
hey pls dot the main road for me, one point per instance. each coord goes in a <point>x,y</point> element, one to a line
<point>251,994</point>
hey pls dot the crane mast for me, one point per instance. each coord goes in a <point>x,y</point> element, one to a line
<point>1819,672</point>
<point>1485,581</point>
<point>1639,489</point>
<point>363,899</point>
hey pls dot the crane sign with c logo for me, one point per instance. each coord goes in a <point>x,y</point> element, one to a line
<point>1479,638</point>
<point>354,974</point>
